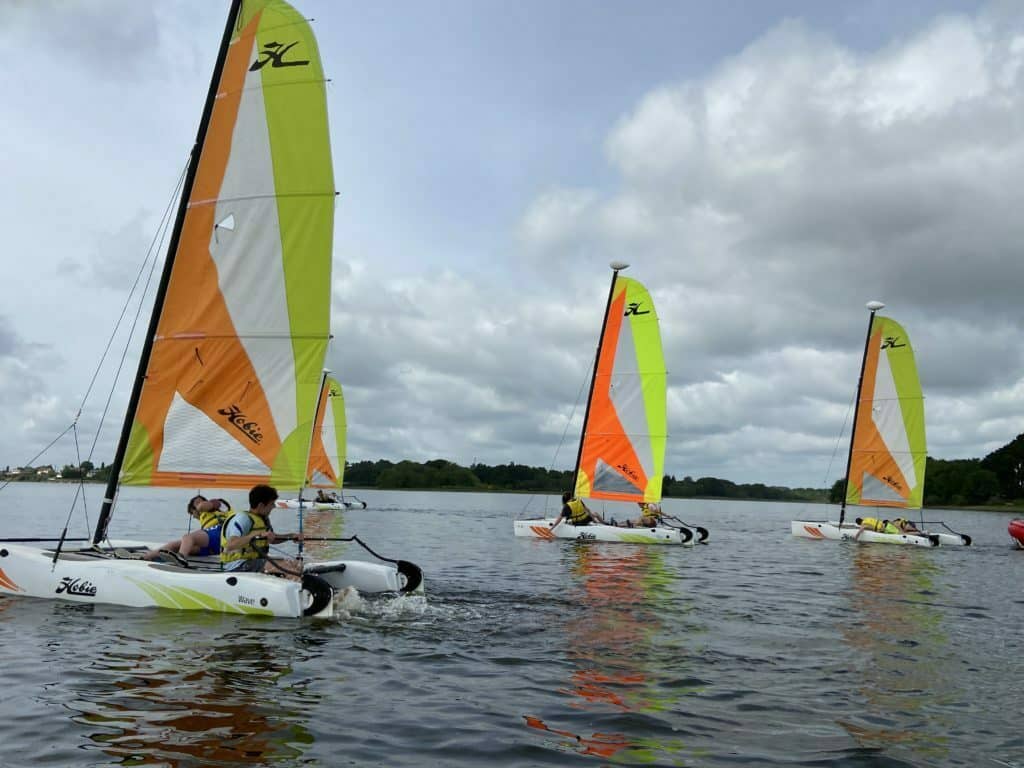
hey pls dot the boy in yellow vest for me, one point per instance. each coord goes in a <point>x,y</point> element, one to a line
<point>246,537</point>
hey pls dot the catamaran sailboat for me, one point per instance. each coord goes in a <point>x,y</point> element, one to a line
<point>886,460</point>
<point>621,454</point>
<point>326,470</point>
<point>231,366</point>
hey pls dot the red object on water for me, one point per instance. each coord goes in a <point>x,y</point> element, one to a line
<point>1016,529</point>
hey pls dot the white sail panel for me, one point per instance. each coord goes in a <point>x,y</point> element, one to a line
<point>626,394</point>
<point>250,262</point>
<point>195,444</point>
<point>887,414</point>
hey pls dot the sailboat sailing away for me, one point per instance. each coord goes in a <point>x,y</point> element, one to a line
<point>231,367</point>
<point>622,447</point>
<point>326,468</point>
<point>886,461</point>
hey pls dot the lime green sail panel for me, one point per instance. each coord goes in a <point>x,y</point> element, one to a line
<point>889,450</point>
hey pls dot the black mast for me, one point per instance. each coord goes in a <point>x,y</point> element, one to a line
<point>617,266</point>
<point>165,278</point>
<point>874,306</point>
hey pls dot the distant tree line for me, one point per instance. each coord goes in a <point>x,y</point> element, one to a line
<point>440,473</point>
<point>996,479</point>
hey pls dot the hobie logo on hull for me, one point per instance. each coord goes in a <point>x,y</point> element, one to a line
<point>273,54</point>
<point>76,587</point>
<point>248,428</point>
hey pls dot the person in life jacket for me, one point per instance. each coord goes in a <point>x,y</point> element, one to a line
<point>210,514</point>
<point>246,537</point>
<point>576,512</point>
<point>650,514</point>
<point>871,524</point>
<point>905,526</point>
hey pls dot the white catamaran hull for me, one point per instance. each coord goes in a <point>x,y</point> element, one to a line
<point>541,528</point>
<point>327,506</point>
<point>87,577</point>
<point>816,529</point>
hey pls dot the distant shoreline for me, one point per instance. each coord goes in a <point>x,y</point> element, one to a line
<point>1013,507</point>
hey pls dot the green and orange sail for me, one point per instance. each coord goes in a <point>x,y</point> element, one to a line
<point>889,451</point>
<point>327,453</point>
<point>233,377</point>
<point>622,452</point>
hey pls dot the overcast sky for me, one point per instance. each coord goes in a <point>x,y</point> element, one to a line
<point>766,168</point>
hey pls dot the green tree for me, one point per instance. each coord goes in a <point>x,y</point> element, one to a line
<point>838,491</point>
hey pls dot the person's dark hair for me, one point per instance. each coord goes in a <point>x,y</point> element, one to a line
<point>194,501</point>
<point>261,494</point>
<point>858,520</point>
<point>565,497</point>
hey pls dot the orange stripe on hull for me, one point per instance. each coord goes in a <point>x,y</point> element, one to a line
<point>814,532</point>
<point>6,583</point>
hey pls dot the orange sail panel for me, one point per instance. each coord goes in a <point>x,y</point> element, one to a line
<point>230,391</point>
<point>623,452</point>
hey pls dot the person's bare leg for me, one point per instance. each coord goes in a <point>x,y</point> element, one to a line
<point>170,546</point>
<point>193,542</point>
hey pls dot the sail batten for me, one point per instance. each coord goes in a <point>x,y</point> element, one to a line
<point>622,451</point>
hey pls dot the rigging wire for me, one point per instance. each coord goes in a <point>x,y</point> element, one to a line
<point>561,442</point>
<point>151,258</point>
<point>154,247</point>
<point>33,459</point>
<point>842,430</point>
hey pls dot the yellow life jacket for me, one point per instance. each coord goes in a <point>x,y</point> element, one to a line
<point>255,549</point>
<point>651,510</point>
<point>578,511</point>
<point>210,517</point>
<point>879,526</point>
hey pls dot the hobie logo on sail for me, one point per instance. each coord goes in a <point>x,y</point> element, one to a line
<point>273,54</point>
<point>628,471</point>
<point>893,482</point>
<point>633,308</point>
<point>76,587</point>
<point>891,342</point>
<point>248,428</point>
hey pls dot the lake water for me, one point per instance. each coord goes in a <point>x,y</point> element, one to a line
<point>758,649</point>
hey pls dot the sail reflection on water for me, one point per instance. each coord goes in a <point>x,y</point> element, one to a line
<point>630,670</point>
<point>899,649</point>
